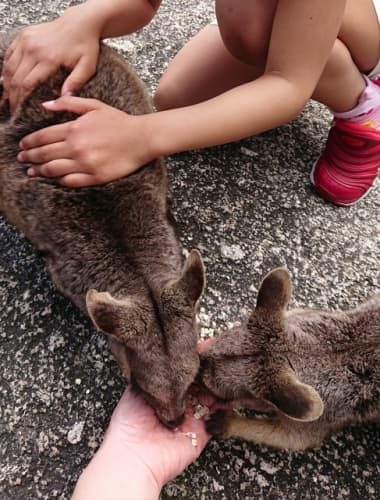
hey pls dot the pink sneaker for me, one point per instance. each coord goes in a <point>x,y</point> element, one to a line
<point>348,167</point>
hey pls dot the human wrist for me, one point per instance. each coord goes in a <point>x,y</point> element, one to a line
<point>85,15</point>
<point>180,129</point>
<point>116,471</point>
<point>160,137</point>
<point>149,128</point>
<point>113,18</point>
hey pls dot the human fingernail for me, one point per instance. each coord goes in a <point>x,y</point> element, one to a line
<point>31,172</point>
<point>48,103</point>
<point>20,156</point>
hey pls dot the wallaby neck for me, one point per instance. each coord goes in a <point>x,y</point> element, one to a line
<point>120,283</point>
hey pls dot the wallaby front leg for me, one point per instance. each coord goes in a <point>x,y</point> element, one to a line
<point>267,431</point>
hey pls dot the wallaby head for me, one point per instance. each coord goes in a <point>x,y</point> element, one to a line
<point>311,372</point>
<point>248,364</point>
<point>111,248</point>
<point>156,347</point>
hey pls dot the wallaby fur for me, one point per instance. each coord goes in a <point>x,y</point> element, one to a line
<point>312,372</point>
<point>116,238</point>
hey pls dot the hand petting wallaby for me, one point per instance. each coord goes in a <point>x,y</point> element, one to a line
<point>116,238</point>
<point>312,372</point>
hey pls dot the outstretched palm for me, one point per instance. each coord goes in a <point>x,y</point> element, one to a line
<point>165,452</point>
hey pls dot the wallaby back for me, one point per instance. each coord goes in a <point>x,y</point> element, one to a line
<point>115,238</point>
<point>312,372</point>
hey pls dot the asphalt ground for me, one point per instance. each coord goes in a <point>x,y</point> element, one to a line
<point>248,206</point>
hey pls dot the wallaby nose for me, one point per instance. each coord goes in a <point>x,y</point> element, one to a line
<point>172,424</point>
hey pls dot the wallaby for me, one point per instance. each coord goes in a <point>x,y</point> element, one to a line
<point>115,238</point>
<point>312,372</point>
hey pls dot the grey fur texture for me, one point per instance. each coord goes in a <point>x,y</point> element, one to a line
<point>111,249</point>
<point>311,372</point>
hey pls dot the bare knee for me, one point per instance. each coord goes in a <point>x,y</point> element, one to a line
<point>167,95</point>
<point>247,45</point>
<point>163,97</point>
<point>178,87</point>
<point>246,28</point>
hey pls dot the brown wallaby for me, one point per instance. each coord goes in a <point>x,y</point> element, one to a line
<point>312,372</point>
<point>116,238</point>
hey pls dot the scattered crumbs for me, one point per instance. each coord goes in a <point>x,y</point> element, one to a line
<point>191,435</point>
<point>201,411</point>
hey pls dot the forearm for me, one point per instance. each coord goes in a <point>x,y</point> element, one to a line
<point>303,35</point>
<point>249,109</point>
<point>114,473</point>
<point>115,17</point>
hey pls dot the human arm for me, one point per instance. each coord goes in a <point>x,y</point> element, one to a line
<point>302,38</point>
<point>72,41</point>
<point>138,455</point>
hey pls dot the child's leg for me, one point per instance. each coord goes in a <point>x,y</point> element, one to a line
<point>349,164</point>
<point>202,69</point>
<point>217,60</point>
<point>219,57</point>
<point>356,51</point>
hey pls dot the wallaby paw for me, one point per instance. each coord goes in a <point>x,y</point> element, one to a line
<point>217,425</point>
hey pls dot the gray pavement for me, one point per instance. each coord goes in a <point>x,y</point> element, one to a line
<point>248,207</point>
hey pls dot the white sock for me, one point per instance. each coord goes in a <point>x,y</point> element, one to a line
<point>367,110</point>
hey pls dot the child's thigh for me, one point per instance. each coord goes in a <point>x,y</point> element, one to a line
<point>202,69</point>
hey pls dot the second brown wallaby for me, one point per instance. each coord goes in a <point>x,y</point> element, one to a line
<point>111,249</point>
<point>311,372</point>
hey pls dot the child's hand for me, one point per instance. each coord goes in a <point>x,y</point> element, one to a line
<point>38,51</point>
<point>101,145</point>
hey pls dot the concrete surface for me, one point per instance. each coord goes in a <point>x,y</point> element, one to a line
<point>248,206</point>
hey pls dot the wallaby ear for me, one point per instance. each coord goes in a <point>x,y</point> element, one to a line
<point>293,398</point>
<point>123,319</point>
<point>193,278</point>
<point>275,291</point>
<point>119,353</point>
